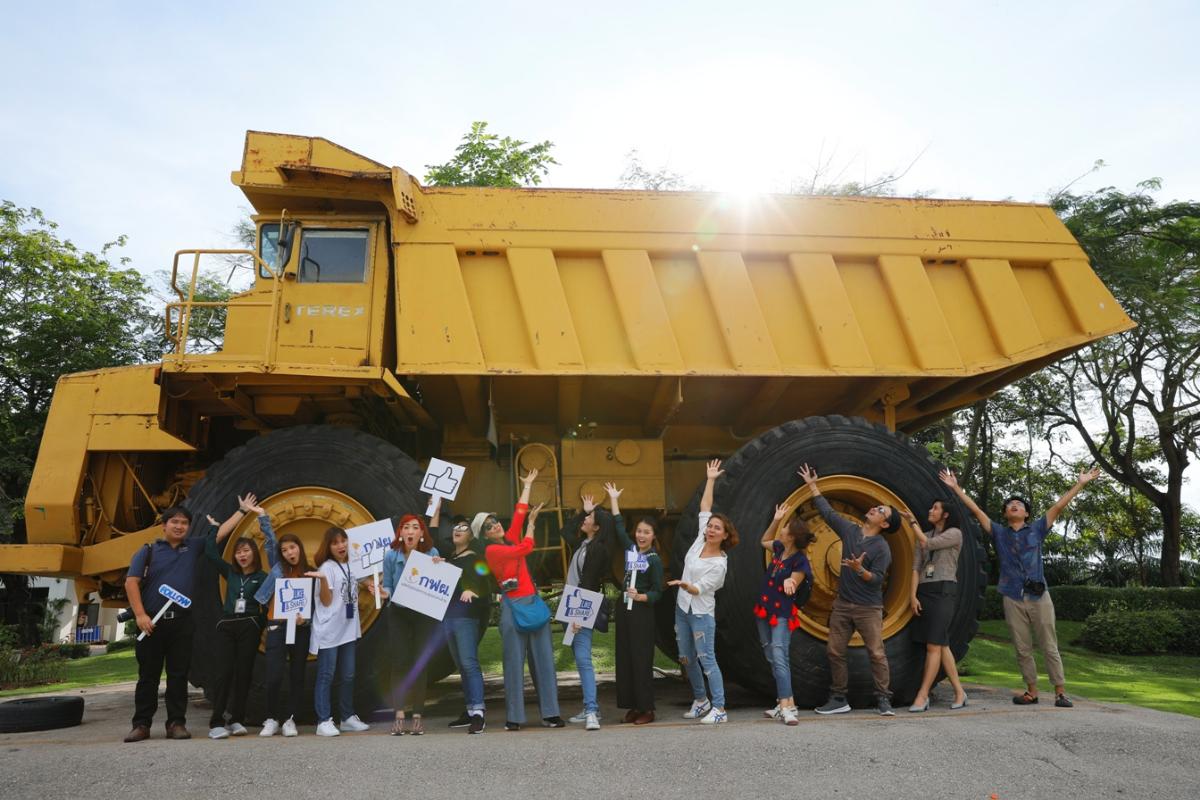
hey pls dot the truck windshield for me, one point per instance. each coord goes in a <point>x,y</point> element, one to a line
<point>333,255</point>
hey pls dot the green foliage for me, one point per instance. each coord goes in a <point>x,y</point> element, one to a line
<point>48,629</point>
<point>61,310</point>
<point>121,644</point>
<point>1135,632</point>
<point>26,667</point>
<point>206,328</point>
<point>1077,603</point>
<point>486,159</point>
<point>638,176</point>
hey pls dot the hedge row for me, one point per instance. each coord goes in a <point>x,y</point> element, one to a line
<point>1078,603</point>
<point>1137,632</point>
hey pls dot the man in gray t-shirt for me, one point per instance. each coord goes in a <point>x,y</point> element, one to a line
<point>859,603</point>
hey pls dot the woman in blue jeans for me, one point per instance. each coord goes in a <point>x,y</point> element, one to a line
<point>466,618</point>
<point>589,567</point>
<point>704,569</point>
<point>786,586</point>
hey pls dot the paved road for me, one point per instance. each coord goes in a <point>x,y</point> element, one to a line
<point>989,749</point>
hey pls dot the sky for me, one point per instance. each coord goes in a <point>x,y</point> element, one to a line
<point>127,118</point>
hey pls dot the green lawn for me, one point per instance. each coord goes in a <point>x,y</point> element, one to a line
<point>91,671</point>
<point>603,652</point>
<point>1166,683</point>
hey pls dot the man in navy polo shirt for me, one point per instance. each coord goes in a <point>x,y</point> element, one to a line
<point>172,561</point>
<point>1028,609</point>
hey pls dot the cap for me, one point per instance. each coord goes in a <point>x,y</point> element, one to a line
<point>477,523</point>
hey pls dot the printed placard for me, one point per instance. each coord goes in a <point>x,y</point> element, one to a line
<point>636,561</point>
<point>442,479</point>
<point>426,586</point>
<point>580,606</point>
<point>368,544</point>
<point>175,596</point>
<point>293,598</point>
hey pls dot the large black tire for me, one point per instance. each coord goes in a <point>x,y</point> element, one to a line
<point>376,474</point>
<point>40,714</point>
<point>763,473</point>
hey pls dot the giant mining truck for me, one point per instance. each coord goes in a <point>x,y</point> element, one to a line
<point>594,335</point>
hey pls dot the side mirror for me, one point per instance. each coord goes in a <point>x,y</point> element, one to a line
<point>287,237</point>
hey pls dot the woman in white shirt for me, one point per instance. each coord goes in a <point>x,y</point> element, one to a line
<point>704,569</point>
<point>336,629</point>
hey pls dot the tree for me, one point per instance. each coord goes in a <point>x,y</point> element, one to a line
<point>485,159</point>
<point>1139,390</point>
<point>61,310</point>
<point>637,176</point>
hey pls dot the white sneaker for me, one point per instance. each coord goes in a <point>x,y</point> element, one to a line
<point>327,728</point>
<point>714,716</point>
<point>699,709</point>
<point>593,722</point>
<point>774,713</point>
<point>270,728</point>
<point>218,732</point>
<point>353,724</point>
<point>237,729</point>
<point>789,715</point>
<point>289,727</point>
<point>580,717</point>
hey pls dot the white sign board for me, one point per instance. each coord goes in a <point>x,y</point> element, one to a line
<point>175,596</point>
<point>293,598</point>
<point>580,606</point>
<point>368,544</point>
<point>426,586</point>
<point>442,479</point>
<point>636,561</point>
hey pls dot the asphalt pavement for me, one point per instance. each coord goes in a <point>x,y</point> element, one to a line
<point>991,749</point>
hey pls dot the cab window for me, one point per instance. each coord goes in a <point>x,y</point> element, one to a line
<point>268,248</point>
<point>332,255</point>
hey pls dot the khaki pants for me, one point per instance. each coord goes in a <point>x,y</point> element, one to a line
<point>1029,618</point>
<point>844,618</point>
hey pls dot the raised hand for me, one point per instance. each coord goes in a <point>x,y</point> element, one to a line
<point>530,477</point>
<point>211,520</point>
<point>248,503</point>
<point>1089,475</point>
<point>589,503</point>
<point>713,470</point>
<point>612,490</point>
<point>781,511</point>
<point>808,475</point>
<point>948,478</point>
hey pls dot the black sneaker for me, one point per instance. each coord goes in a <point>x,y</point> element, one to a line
<point>477,724</point>
<point>1062,701</point>
<point>464,719</point>
<point>553,722</point>
<point>512,726</point>
<point>885,707</point>
<point>836,704</point>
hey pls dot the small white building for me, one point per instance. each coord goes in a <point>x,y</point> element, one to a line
<point>74,618</point>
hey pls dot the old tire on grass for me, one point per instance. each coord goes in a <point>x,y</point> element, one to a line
<point>860,464</point>
<point>308,478</point>
<point>40,713</point>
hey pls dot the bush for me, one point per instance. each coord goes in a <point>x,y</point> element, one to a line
<point>26,667</point>
<point>121,644</point>
<point>1078,603</point>
<point>71,650</point>
<point>1137,632</point>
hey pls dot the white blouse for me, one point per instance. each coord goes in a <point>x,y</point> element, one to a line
<point>706,574</point>
<point>331,627</point>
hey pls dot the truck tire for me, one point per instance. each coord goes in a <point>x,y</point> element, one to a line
<point>763,473</point>
<point>40,714</point>
<point>376,475</point>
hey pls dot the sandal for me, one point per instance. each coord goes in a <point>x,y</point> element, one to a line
<point>1025,699</point>
<point>398,727</point>
<point>418,728</point>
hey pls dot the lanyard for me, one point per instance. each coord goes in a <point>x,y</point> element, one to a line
<point>346,574</point>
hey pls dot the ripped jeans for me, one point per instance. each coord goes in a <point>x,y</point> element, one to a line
<point>695,634</point>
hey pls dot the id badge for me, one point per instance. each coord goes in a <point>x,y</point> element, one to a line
<point>929,570</point>
<point>349,610</point>
<point>239,606</point>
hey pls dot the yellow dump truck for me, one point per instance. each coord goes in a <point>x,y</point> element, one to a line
<point>594,335</point>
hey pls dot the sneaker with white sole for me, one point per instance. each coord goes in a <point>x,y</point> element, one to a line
<point>289,727</point>
<point>699,709</point>
<point>327,728</point>
<point>714,716</point>
<point>353,724</point>
<point>237,729</point>
<point>219,732</point>
<point>885,708</point>
<point>789,716</point>
<point>592,722</point>
<point>580,717</point>
<point>774,713</point>
<point>836,704</point>
<point>270,728</point>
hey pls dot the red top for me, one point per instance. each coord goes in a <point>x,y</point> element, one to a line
<point>508,560</point>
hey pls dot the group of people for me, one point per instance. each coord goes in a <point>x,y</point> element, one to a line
<point>493,559</point>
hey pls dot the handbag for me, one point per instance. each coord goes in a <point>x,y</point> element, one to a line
<point>529,617</point>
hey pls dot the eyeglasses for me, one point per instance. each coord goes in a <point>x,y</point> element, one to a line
<point>458,528</point>
<point>489,522</point>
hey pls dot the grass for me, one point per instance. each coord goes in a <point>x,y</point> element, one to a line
<point>80,673</point>
<point>1162,682</point>
<point>603,652</point>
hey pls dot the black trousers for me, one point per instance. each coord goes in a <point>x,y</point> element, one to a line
<point>234,647</point>
<point>170,644</point>
<point>411,635</point>
<point>635,656</point>
<point>285,658</point>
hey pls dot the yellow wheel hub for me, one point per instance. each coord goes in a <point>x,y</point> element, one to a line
<point>307,512</point>
<point>851,496</point>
